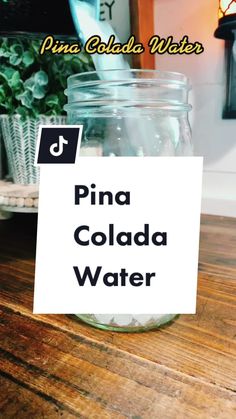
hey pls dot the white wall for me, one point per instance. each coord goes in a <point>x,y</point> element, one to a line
<point>214,138</point>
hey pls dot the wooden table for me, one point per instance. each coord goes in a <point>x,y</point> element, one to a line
<point>55,367</point>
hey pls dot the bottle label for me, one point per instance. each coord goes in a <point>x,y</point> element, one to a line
<point>116,235</point>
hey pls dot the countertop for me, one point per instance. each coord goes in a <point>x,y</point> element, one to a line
<point>57,367</point>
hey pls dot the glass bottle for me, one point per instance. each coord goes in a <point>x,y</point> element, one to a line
<point>130,113</point>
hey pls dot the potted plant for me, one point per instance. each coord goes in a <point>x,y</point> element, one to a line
<point>31,93</point>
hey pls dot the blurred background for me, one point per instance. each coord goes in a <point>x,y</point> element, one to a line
<point>214,137</point>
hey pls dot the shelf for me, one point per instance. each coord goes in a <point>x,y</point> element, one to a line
<point>18,198</point>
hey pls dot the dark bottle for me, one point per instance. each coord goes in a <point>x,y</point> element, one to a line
<point>37,17</point>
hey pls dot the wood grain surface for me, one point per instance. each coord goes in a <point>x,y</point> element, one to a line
<point>56,367</point>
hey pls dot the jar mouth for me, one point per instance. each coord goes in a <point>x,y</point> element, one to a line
<point>91,78</point>
<point>129,88</point>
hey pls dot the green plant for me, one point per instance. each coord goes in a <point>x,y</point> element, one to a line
<point>32,84</point>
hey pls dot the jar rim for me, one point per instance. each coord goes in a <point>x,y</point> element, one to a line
<point>121,75</point>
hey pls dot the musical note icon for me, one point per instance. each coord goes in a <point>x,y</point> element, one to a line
<point>56,149</point>
<point>58,144</point>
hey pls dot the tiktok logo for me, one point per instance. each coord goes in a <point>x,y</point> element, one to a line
<point>58,144</point>
<point>56,149</point>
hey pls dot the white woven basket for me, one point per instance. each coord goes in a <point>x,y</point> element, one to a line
<point>20,138</point>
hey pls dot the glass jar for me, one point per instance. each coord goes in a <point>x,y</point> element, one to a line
<point>130,113</point>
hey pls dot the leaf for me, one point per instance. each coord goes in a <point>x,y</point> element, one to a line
<point>15,59</point>
<point>41,78</point>
<point>2,94</point>
<point>14,80</point>
<point>7,73</point>
<point>22,111</point>
<point>38,91</point>
<point>35,46</point>
<point>4,53</point>
<point>52,100</point>
<point>29,83</point>
<point>16,54</point>
<point>84,58</point>
<point>26,99</point>
<point>17,49</point>
<point>68,57</point>
<point>28,58</point>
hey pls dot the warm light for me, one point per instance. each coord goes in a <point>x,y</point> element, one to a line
<point>227,7</point>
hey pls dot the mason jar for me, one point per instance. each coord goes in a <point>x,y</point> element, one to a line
<point>130,113</point>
